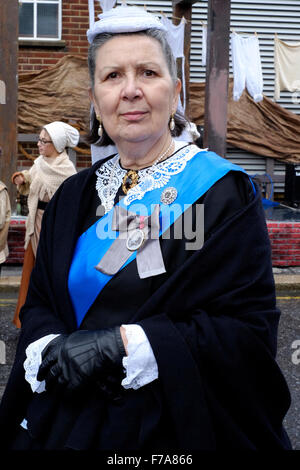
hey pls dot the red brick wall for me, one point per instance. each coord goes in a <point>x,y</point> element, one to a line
<point>285,242</point>
<point>16,236</point>
<point>75,22</point>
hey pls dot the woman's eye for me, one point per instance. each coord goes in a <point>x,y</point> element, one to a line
<point>112,75</point>
<point>149,73</point>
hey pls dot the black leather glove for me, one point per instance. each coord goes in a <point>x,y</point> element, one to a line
<point>49,359</point>
<point>89,355</point>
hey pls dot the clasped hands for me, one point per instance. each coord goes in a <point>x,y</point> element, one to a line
<point>77,359</point>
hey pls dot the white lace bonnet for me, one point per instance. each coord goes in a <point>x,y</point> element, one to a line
<point>124,19</point>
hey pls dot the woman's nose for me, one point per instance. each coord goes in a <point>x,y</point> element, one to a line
<point>131,89</point>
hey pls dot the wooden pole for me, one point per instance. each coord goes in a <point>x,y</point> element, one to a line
<point>9,14</point>
<point>217,66</point>
<point>184,8</point>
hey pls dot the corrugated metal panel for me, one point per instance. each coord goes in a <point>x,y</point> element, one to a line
<point>250,162</point>
<point>152,5</point>
<point>279,169</point>
<point>253,163</point>
<point>257,165</point>
<point>265,17</point>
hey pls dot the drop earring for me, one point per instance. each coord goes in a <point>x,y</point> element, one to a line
<point>100,128</point>
<point>172,122</point>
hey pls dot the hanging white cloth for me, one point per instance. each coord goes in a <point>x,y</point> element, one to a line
<point>175,36</point>
<point>287,66</point>
<point>91,13</point>
<point>204,44</point>
<point>107,4</point>
<point>246,63</point>
<point>104,4</point>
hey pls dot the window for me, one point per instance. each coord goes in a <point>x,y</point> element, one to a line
<point>40,19</point>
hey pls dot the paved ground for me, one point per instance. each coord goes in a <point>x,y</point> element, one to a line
<point>288,344</point>
<point>8,335</point>
<point>288,357</point>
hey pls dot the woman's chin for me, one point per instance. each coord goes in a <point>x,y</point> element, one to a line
<point>134,136</point>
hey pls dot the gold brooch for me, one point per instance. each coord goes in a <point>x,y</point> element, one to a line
<point>130,180</point>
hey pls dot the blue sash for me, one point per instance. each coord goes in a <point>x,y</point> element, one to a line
<point>85,282</point>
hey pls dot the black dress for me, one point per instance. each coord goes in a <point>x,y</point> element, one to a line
<point>211,320</point>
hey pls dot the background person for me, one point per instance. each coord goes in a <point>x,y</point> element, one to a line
<point>166,346</point>
<point>5,216</point>
<point>39,183</point>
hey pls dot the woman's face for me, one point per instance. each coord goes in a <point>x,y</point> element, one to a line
<point>133,92</point>
<point>45,145</point>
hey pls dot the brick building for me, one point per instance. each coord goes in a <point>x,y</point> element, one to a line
<point>48,30</point>
<point>70,23</point>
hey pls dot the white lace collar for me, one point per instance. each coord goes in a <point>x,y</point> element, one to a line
<point>149,178</point>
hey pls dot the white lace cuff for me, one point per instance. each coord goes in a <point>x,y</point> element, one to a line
<point>140,364</point>
<point>33,361</point>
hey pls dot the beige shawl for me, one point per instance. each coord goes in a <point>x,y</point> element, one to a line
<point>4,222</point>
<point>41,182</point>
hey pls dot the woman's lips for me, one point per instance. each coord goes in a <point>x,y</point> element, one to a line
<point>134,115</point>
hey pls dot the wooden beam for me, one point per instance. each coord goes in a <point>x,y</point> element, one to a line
<point>217,65</point>
<point>34,138</point>
<point>182,2</point>
<point>9,14</point>
<point>28,137</point>
<point>180,9</point>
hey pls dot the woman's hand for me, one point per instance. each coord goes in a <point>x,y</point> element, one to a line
<point>49,359</point>
<point>87,355</point>
<point>19,179</point>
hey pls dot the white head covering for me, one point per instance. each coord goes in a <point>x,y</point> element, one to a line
<point>124,19</point>
<point>62,134</point>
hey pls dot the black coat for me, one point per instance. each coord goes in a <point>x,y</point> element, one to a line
<point>211,321</point>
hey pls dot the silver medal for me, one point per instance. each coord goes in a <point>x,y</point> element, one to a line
<point>168,195</point>
<point>135,239</point>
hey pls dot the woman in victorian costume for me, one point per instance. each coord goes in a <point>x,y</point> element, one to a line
<point>39,183</point>
<point>150,321</point>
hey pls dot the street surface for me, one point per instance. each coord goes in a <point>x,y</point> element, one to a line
<point>288,356</point>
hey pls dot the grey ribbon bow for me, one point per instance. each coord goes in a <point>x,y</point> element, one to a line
<point>148,258</point>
